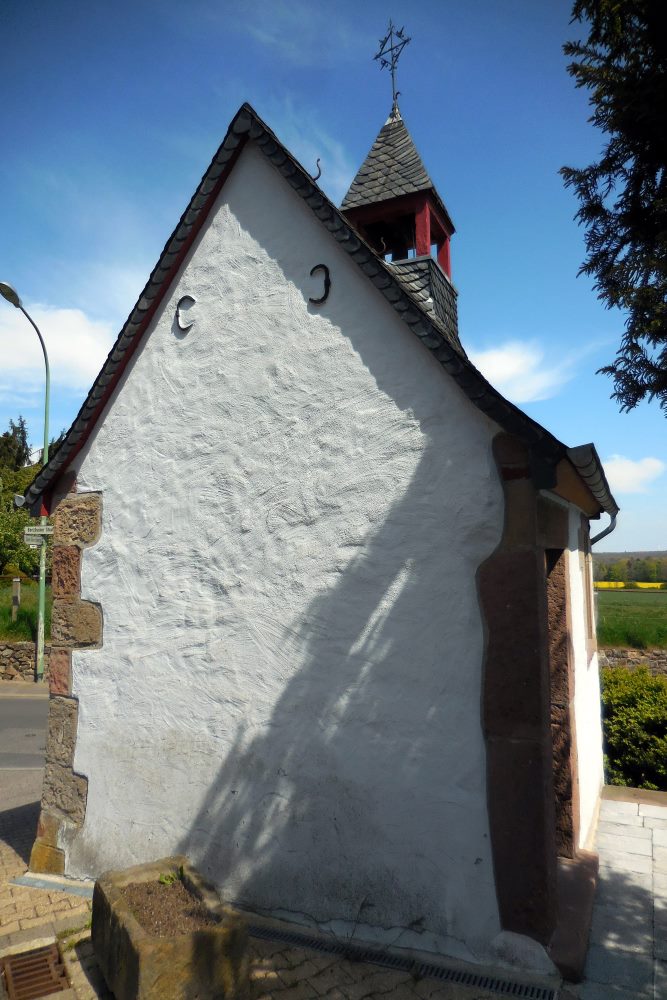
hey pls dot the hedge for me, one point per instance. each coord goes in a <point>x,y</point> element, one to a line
<point>634,719</point>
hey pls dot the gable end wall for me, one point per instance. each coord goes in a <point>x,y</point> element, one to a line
<point>296,502</point>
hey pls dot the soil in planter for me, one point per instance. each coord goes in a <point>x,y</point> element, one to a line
<point>167,910</point>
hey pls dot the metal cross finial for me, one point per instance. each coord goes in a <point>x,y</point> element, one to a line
<point>391,47</point>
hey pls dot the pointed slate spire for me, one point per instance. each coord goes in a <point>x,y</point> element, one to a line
<point>393,203</point>
<point>392,168</point>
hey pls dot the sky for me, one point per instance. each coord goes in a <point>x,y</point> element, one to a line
<point>112,113</point>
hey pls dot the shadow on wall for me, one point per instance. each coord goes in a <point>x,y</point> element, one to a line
<point>361,795</point>
<point>361,792</point>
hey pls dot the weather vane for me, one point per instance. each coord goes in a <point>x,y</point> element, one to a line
<point>391,47</point>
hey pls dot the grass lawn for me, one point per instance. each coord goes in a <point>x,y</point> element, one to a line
<point>24,629</point>
<point>634,618</point>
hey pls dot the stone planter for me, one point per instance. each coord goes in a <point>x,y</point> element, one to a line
<point>207,964</point>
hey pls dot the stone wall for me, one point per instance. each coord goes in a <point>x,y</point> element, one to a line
<point>75,624</point>
<point>17,661</point>
<point>655,659</point>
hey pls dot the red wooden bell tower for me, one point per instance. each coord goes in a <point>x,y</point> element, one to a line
<point>394,204</point>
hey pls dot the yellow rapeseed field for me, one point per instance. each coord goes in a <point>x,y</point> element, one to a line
<point>608,585</point>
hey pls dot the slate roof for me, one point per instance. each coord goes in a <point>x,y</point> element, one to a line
<point>392,168</point>
<point>425,279</point>
<point>586,461</point>
<point>546,450</point>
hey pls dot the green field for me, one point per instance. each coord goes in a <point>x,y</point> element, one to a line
<point>633,618</point>
<point>24,629</point>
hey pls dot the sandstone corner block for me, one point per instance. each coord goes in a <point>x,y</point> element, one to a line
<point>64,793</point>
<point>61,736</point>
<point>77,520</point>
<point>60,672</point>
<point>65,575</point>
<point>48,829</point>
<point>76,623</point>
<point>46,860</point>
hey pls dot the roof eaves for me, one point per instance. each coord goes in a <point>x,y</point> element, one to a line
<point>246,124</point>
<point>587,462</point>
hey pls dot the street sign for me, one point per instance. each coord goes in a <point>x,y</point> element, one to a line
<point>33,534</point>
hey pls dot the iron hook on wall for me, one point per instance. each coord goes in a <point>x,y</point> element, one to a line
<point>327,283</point>
<point>184,300</point>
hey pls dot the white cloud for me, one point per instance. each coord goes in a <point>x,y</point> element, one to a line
<point>519,370</point>
<point>626,475</point>
<point>76,346</point>
<point>107,289</point>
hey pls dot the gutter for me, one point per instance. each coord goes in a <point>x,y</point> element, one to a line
<point>607,531</point>
<point>587,462</point>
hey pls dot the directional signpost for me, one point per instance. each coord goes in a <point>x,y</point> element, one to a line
<point>34,534</point>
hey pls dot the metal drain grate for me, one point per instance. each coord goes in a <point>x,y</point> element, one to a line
<point>493,984</point>
<point>34,974</point>
<point>421,970</point>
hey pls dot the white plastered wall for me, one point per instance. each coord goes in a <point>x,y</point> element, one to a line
<point>296,499</point>
<point>587,708</point>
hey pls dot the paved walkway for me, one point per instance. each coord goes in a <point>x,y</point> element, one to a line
<point>23,909</point>
<point>30,918</point>
<point>627,958</point>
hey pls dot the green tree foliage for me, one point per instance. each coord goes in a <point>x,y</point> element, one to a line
<point>634,718</point>
<point>15,477</point>
<point>13,550</point>
<point>618,573</point>
<point>14,447</point>
<point>648,570</point>
<point>623,196</point>
<point>56,442</point>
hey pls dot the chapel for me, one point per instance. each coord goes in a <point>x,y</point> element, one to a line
<point>323,611</point>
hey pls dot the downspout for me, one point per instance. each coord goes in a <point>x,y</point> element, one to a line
<point>607,531</point>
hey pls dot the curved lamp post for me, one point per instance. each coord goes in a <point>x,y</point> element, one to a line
<point>11,295</point>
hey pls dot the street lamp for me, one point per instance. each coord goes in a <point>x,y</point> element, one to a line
<point>11,295</point>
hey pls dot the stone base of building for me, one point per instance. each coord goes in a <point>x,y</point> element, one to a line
<point>576,885</point>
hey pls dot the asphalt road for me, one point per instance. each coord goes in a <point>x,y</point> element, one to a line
<point>22,732</point>
<point>22,744</point>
